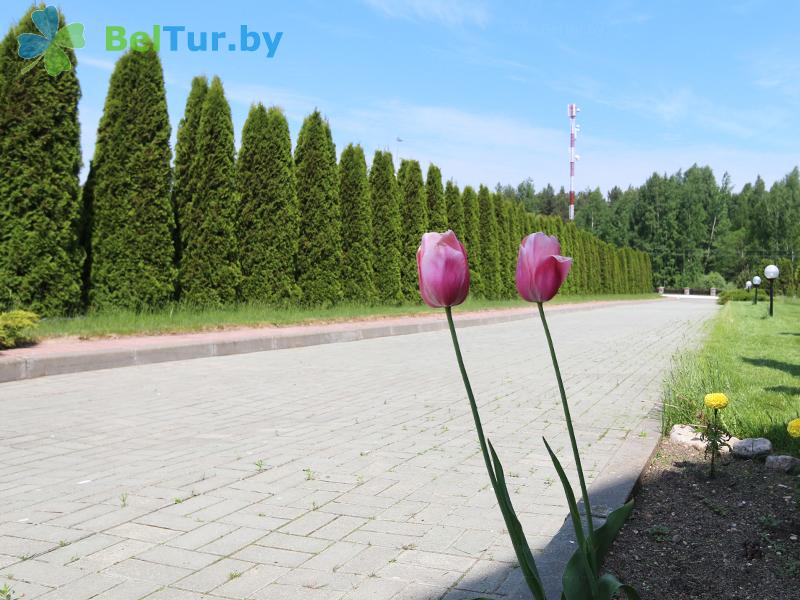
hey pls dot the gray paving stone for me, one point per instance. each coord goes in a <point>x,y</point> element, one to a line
<point>200,536</point>
<point>272,556</point>
<point>231,542</point>
<point>214,575</point>
<point>86,587</point>
<point>251,581</point>
<point>133,568</point>
<point>36,571</point>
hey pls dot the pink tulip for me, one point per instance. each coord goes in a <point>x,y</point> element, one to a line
<point>443,270</point>
<point>540,267</point>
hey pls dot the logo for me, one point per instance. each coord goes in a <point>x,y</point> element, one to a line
<point>179,38</point>
<point>49,46</point>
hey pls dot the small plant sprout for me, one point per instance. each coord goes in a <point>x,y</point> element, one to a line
<point>769,522</point>
<point>715,435</point>
<point>309,474</point>
<point>233,575</point>
<point>178,500</point>
<point>659,533</point>
<point>123,499</point>
<point>6,592</point>
<point>259,465</point>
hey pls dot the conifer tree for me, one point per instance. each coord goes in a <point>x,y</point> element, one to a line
<point>387,229</point>
<point>210,273</point>
<point>357,235</point>
<point>522,226</point>
<point>437,206</point>
<point>319,260</point>
<point>491,271</point>
<point>85,227</point>
<point>40,158</point>
<point>268,217</point>
<point>472,239</point>
<point>511,245</point>
<point>132,223</point>
<point>503,244</point>
<point>568,249</point>
<point>185,152</point>
<point>413,208</point>
<point>455,209</point>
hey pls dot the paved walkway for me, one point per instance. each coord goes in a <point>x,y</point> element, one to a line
<point>57,356</point>
<point>338,471</point>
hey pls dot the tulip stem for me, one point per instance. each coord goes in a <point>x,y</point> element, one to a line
<point>472,404</point>
<point>518,541</point>
<point>565,405</point>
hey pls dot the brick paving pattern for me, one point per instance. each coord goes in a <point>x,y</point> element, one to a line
<point>341,471</point>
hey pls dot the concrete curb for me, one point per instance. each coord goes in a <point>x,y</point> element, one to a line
<point>612,488</point>
<point>74,357</point>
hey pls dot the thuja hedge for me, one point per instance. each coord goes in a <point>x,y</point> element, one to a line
<point>598,268</point>
<point>271,224</point>
<point>132,218</point>
<point>40,158</point>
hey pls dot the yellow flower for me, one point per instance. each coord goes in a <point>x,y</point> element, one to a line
<point>716,401</point>
<point>794,428</point>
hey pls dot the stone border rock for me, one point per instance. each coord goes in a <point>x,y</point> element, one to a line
<point>748,448</point>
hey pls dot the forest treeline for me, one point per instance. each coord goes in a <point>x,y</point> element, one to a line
<point>694,228</point>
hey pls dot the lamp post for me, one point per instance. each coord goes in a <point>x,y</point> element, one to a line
<point>756,283</point>
<point>771,273</point>
<point>748,285</point>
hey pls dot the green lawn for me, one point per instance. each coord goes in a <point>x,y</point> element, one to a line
<point>752,358</point>
<point>182,318</point>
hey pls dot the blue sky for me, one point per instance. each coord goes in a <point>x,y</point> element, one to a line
<point>481,88</point>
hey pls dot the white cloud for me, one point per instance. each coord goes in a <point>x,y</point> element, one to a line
<point>682,108</point>
<point>470,147</point>
<point>447,12</point>
<point>475,147</point>
<point>296,106</point>
<point>484,147</point>
<point>777,71</point>
<point>98,63</point>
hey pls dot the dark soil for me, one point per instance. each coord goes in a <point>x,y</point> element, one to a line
<point>735,537</point>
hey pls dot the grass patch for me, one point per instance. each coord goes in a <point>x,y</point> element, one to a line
<point>181,318</point>
<point>752,358</point>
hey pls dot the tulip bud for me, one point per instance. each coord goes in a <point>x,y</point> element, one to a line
<point>442,269</point>
<point>541,270</point>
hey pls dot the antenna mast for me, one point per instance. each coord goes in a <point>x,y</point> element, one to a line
<point>572,113</point>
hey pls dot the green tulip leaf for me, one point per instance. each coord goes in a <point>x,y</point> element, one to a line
<point>520,543</point>
<point>573,506</point>
<point>610,586</point>
<point>579,581</point>
<point>604,535</point>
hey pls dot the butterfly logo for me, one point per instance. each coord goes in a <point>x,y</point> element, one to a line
<point>49,46</point>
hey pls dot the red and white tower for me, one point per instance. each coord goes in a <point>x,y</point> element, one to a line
<point>572,113</point>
